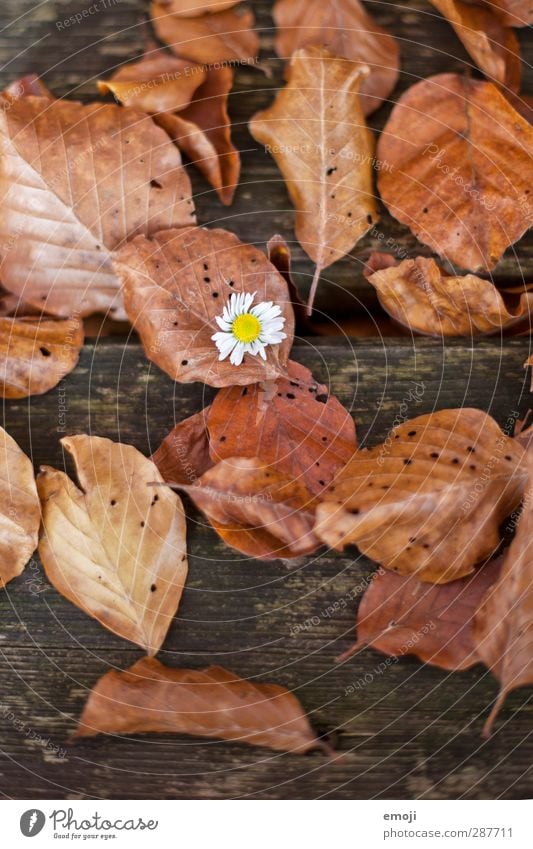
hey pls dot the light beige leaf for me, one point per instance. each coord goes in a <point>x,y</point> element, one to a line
<point>175,286</point>
<point>429,501</point>
<point>316,131</point>
<point>213,702</point>
<point>36,353</point>
<point>20,513</point>
<point>76,182</point>
<point>210,38</point>
<point>115,545</point>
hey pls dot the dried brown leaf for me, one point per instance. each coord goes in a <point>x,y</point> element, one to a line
<point>294,425</point>
<point>156,83</point>
<point>75,182</point>
<point>36,353</point>
<point>504,624</point>
<point>401,615</point>
<point>346,29</point>
<point>492,46</point>
<point>183,456</point>
<point>419,295</point>
<point>256,509</point>
<point>115,545</point>
<point>317,134</point>
<point>194,8</point>
<point>177,283</point>
<point>460,169</point>
<point>210,38</point>
<point>152,698</point>
<point>20,513</point>
<point>428,501</point>
<point>514,13</point>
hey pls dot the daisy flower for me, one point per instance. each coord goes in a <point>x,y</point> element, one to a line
<point>247,329</point>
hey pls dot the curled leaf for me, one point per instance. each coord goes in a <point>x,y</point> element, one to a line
<point>152,698</point>
<point>317,133</point>
<point>294,425</point>
<point>75,182</point>
<point>255,509</point>
<point>443,146</point>
<point>419,295</point>
<point>156,83</point>
<point>213,37</point>
<point>346,29</point>
<point>20,513</point>
<point>428,501</point>
<point>183,456</point>
<point>115,545</point>
<point>203,131</point>
<point>401,615</point>
<point>36,353</point>
<point>493,46</point>
<point>176,285</point>
<point>504,623</point>
<point>194,8</point>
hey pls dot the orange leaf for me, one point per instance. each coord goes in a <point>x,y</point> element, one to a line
<point>213,702</point>
<point>156,83</point>
<point>400,615</point>
<point>77,181</point>
<point>194,8</point>
<point>428,501</point>
<point>419,295</point>
<point>178,283</point>
<point>443,145</point>
<point>294,425</point>
<point>20,513</point>
<point>346,29</point>
<point>115,546</point>
<point>255,509</point>
<point>183,456</point>
<point>218,37</point>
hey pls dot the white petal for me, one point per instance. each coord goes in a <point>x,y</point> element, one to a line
<point>223,323</point>
<point>237,354</point>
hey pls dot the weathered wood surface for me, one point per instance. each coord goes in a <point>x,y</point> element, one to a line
<point>409,731</point>
<point>73,58</point>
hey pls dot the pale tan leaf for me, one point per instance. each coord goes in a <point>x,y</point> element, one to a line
<point>36,353</point>
<point>213,702</point>
<point>75,183</point>
<point>20,512</point>
<point>317,133</point>
<point>419,295</point>
<point>429,501</point>
<point>115,545</point>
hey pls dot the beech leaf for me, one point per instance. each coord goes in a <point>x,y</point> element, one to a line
<point>115,545</point>
<point>20,513</point>
<point>514,13</point>
<point>317,133</point>
<point>401,615</point>
<point>183,456</point>
<point>418,294</point>
<point>504,623</point>
<point>428,501</point>
<point>492,46</point>
<point>214,37</point>
<point>75,182</point>
<point>447,178</point>
<point>256,509</point>
<point>194,8</point>
<point>152,698</point>
<point>294,425</point>
<point>175,286</point>
<point>35,354</point>
<point>346,29</point>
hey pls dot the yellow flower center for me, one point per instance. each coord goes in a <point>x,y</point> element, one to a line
<point>246,327</point>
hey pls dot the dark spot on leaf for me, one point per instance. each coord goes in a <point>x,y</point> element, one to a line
<point>412,433</point>
<point>155,184</point>
<point>369,219</point>
<point>331,171</point>
<point>322,399</point>
<point>290,396</point>
<point>184,362</point>
<point>44,351</point>
<point>153,588</point>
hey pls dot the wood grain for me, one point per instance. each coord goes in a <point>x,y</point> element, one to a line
<point>408,731</point>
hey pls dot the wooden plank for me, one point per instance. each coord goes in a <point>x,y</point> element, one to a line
<point>409,731</point>
<point>72,58</point>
